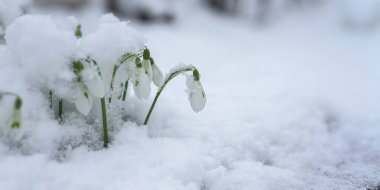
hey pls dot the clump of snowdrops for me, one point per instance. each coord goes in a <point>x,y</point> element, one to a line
<point>86,81</point>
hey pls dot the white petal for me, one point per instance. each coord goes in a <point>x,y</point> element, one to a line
<point>16,118</point>
<point>145,86</point>
<point>141,85</point>
<point>197,100</point>
<point>83,103</point>
<point>96,87</point>
<point>158,77</point>
<point>148,68</point>
<point>196,94</point>
<point>136,88</point>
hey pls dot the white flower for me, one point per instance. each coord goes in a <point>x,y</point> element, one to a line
<point>90,84</point>
<point>158,77</point>
<point>141,83</point>
<point>93,81</point>
<point>83,102</point>
<point>196,94</point>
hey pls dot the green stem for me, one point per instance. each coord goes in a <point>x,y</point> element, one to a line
<point>51,99</point>
<point>125,90</point>
<point>172,75</point>
<point>115,68</point>
<point>152,106</point>
<point>122,60</point>
<point>60,108</point>
<point>104,116</point>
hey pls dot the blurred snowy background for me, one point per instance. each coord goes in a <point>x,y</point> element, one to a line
<point>293,90</point>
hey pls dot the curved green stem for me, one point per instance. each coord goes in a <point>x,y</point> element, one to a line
<point>171,76</point>
<point>103,105</point>
<point>105,128</point>
<point>125,90</point>
<point>50,99</point>
<point>121,61</point>
<point>60,109</point>
<point>9,94</point>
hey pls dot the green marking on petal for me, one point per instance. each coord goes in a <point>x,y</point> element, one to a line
<point>16,124</point>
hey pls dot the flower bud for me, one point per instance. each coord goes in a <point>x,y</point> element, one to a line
<point>146,54</point>
<point>158,77</point>
<point>196,75</point>
<point>196,94</point>
<point>83,102</point>
<point>78,31</point>
<point>18,103</point>
<point>141,84</point>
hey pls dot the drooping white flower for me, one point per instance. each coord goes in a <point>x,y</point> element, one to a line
<point>83,102</point>
<point>90,84</point>
<point>196,94</point>
<point>141,81</point>
<point>93,81</point>
<point>158,77</point>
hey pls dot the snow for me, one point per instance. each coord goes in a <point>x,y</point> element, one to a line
<point>110,41</point>
<point>291,106</point>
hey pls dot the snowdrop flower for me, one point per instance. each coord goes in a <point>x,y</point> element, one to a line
<point>146,63</point>
<point>158,77</point>
<point>141,83</point>
<point>90,84</point>
<point>196,94</point>
<point>93,80</point>
<point>83,102</point>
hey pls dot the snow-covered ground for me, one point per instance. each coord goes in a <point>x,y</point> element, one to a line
<point>295,105</point>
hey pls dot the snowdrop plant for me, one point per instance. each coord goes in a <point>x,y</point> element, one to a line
<point>78,79</point>
<point>90,82</point>
<point>196,93</point>
<point>125,59</point>
<point>15,120</point>
<point>158,77</point>
<point>88,79</point>
<point>141,74</point>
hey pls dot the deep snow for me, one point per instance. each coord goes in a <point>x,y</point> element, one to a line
<point>292,106</point>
